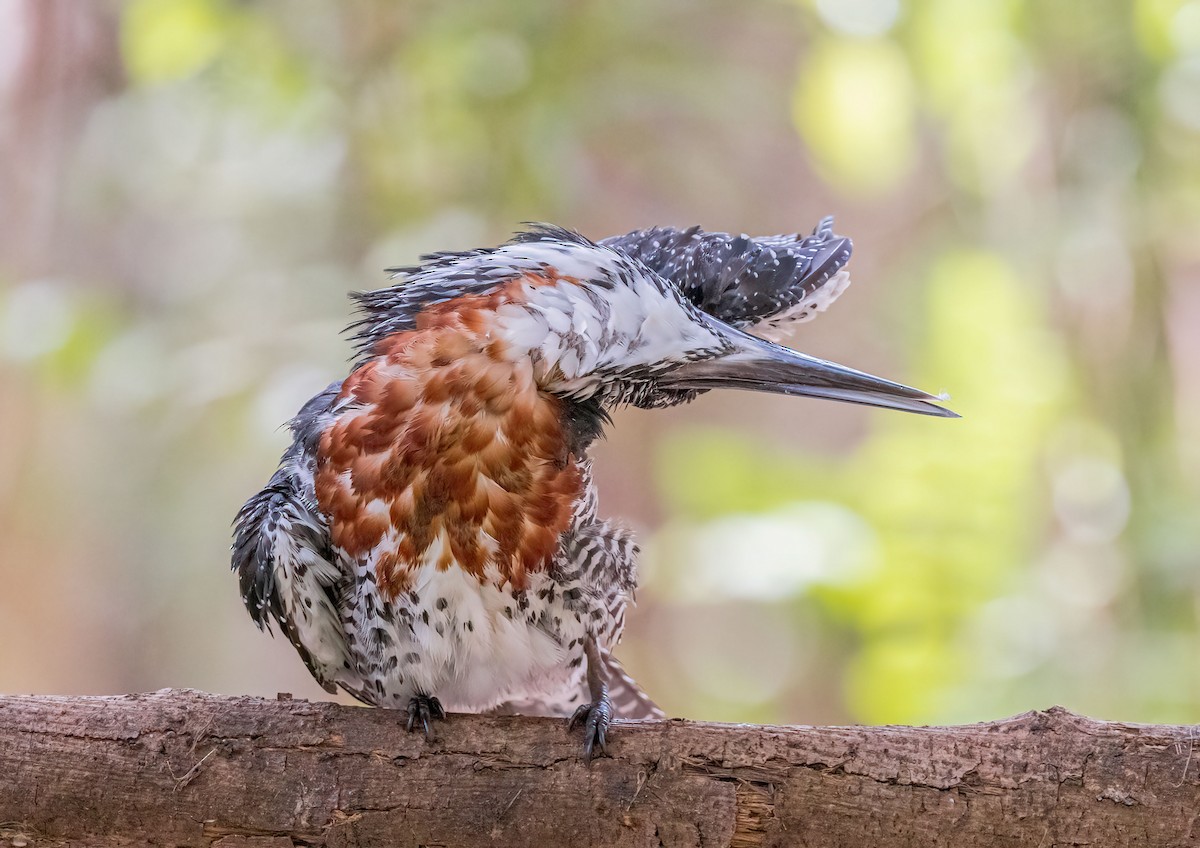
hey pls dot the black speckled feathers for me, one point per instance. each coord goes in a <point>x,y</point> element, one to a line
<point>739,279</point>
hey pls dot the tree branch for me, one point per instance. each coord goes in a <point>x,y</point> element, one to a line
<point>186,768</point>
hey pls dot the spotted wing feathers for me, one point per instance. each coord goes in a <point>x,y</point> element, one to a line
<point>284,560</point>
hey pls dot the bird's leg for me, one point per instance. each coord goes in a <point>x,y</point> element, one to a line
<point>596,716</point>
<point>424,709</point>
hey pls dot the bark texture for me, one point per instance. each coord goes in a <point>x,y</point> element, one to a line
<point>186,768</point>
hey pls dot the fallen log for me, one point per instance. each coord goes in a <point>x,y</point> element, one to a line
<point>179,767</point>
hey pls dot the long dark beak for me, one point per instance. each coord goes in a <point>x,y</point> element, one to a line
<point>763,366</point>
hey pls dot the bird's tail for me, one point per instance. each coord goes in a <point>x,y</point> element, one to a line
<point>628,699</point>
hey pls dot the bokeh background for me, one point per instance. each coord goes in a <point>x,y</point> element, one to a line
<point>188,189</point>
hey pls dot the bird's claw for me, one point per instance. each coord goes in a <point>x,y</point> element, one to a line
<point>595,719</point>
<point>424,709</point>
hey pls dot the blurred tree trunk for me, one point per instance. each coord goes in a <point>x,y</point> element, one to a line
<point>60,59</point>
<point>185,768</point>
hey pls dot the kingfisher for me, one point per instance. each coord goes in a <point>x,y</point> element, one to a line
<point>431,539</point>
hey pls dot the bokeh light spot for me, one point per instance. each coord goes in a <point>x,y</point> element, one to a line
<point>861,18</point>
<point>164,40</point>
<point>773,555</point>
<point>854,108</point>
<point>1180,92</point>
<point>35,319</point>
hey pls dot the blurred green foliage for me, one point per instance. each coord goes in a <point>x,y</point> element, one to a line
<point>1022,181</point>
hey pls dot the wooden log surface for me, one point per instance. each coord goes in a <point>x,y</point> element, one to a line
<point>180,767</point>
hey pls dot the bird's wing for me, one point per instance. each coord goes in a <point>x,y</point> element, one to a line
<point>284,559</point>
<point>757,284</point>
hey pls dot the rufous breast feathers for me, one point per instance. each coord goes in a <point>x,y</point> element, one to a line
<point>447,454</point>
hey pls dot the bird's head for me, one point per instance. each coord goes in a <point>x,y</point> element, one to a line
<point>589,324</point>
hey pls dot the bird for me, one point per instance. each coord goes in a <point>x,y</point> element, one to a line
<point>431,540</point>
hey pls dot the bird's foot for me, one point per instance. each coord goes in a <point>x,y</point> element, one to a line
<point>423,710</point>
<point>595,719</point>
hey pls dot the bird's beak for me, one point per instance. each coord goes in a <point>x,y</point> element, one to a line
<point>763,366</point>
